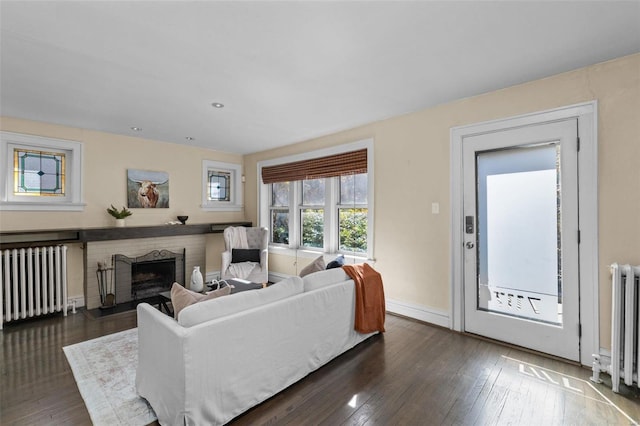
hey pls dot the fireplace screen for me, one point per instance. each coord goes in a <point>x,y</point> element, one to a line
<point>141,278</point>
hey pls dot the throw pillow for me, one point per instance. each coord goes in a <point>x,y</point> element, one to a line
<point>337,263</point>
<point>245,255</point>
<point>315,266</point>
<point>182,297</point>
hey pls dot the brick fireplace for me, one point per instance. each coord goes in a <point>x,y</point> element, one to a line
<point>193,247</point>
<point>142,278</point>
<point>100,244</point>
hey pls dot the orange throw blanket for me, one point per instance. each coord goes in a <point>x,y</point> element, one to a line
<point>370,306</point>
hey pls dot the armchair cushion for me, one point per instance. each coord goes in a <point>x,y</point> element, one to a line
<point>245,255</point>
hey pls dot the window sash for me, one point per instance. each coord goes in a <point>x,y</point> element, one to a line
<point>324,237</point>
<point>344,235</point>
<point>219,188</point>
<point>279,234</point>
<point>273,201</point>
<point>312,237</point>
<point>33,174</point>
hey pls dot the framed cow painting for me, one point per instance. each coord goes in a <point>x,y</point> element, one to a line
<point>147,189</point>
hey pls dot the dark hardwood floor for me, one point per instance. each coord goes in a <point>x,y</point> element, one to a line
<point>414,374</point>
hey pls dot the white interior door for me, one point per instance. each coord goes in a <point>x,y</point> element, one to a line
<point>521,269</point>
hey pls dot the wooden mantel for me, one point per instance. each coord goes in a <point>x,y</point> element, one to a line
<point>34,238</point>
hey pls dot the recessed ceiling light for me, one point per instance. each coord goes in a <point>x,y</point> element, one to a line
<point>136,129</point>
<point>217,105</point>
<point>189,138</point>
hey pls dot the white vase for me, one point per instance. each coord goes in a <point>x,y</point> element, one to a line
<point>197,283</point>
<point>120,223</point>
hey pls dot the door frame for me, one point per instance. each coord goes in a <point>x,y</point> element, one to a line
<point>586,114</point>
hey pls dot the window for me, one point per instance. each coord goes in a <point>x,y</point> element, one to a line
<point>38,172</point>
<point>279,213</point>
<point>42,173</point>
<point>352,213</point>
<point>312,213</point>
<point>221,186</point>
<point>319,213</point>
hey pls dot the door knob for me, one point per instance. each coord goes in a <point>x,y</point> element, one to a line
<point>469,244</point>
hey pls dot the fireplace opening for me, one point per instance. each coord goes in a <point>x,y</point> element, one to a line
<point>151,277</point>
<point>142,278</point>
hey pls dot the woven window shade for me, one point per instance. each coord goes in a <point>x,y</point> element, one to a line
<point>353,162</point>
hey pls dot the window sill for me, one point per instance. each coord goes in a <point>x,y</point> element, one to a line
<point>312,254</point>
<point>40,206</point>
<point>228,208</point>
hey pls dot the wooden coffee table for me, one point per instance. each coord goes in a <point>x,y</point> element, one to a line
<point>163,298</point>
<point>237,285</point>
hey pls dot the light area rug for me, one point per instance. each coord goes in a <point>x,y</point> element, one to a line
<point>105,371</point>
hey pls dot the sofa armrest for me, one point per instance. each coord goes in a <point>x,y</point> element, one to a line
<point>264,260</point>
<point>160,375</point>
<point>226,261</point>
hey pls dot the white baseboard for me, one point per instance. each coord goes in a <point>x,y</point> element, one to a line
<point>79,302</point>
<point>419,312</point>
<point>410,310</point>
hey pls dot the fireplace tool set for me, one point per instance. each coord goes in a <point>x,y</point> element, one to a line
<point>106,284</point>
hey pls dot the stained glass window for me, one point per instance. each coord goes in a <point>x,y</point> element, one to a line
<point>219,186</point>
<point>39,173</point>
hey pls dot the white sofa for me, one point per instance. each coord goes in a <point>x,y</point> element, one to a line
<point>226,355</point>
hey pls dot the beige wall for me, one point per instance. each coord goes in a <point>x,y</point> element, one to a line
<point>412,167</point>
<point>106,160</point>
<point>411,171</point>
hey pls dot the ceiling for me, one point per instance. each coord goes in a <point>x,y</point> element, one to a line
<point>285,71</point>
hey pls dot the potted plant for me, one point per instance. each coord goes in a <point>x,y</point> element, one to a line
<point>120,215</point>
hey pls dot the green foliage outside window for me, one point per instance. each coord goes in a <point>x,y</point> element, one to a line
<point>313,228</point>
<point>352,221</point>
<point>280,226</point>
<point>353,230</point>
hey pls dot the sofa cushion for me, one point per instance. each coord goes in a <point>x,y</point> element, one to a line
<point>182,297</point>
<point>315,266</point>
<point>218,308</point>
<point>324,278</point>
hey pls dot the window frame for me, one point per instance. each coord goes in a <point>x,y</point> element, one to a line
<point>271,208</point>
<point>339,206</point>
<point>71,201</point>
<point>236,179</point>
<point>300,206</point>
<point>331,238</point>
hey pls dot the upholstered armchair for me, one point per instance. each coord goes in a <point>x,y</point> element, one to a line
<point>246,254</point>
